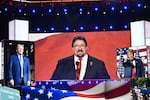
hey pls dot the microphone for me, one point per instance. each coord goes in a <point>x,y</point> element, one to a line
<point>77,63</point>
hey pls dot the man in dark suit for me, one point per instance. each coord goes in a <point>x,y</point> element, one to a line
<point>19,68</point>
<point>133,67</point>
<point>90,67</point>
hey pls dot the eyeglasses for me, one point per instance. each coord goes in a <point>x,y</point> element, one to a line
<point>79,46</point>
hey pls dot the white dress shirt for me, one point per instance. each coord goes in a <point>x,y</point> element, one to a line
<point>20,57</point>
<point>83,65</point>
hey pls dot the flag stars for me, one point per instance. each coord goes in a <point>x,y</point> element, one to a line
<point>43,87</point>
<point>53,88</point>
<point>39,83</point>
<point>32,88</point>
<point>27,96</point>
<point>36,99</point>
<point>49,94</point>
<point>46,83</point>
<point>64,91</point>
<point>41,91</point>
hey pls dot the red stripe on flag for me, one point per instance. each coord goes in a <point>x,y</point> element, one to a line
<point>92,96</point>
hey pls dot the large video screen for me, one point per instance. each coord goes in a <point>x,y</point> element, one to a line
<point>101,45</point>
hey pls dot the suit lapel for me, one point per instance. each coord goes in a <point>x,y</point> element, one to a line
<point>18,59</point>
<point>72,61</point>
<point>71,67</point>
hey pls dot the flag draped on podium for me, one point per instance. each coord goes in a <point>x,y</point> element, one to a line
<point>74,90</point>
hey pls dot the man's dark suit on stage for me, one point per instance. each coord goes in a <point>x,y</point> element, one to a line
<point>15,69</point>
<point>65,69</point>
<point>138,66</point>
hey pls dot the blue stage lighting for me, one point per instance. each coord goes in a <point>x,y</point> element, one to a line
<point>97,81</point>
<point>52,28</point>
<point>81,27</point>
<point>80,9</point>
<point>139,5</point>
<point>65,10</point>
<point>33,11</point>
<point>19,10</point>
<point>89,82</point>
<point>60,82</point>
<point>125,26</point>
<point>49,10</point>
<point>96,27</point>
<point>112,8</point>
<point>96,9</point>
<point>38,29</point>
<point>110,27</point>
<point>6,9</point>
<point>82,82</point>
<point>125,7</point>
<point>67,28</point>
<point>104,82</point>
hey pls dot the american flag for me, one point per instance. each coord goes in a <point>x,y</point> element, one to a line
<point>140,52</point>
<point>76,90</point>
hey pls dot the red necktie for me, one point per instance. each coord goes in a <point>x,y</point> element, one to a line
<point>79,68</point>
<point>133,70</point>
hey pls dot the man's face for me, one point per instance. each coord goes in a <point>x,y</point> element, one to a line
<point>130,56</point>
<point>79,48</point>
<point>20,49</point>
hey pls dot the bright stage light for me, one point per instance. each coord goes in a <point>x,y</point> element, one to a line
<point>38,29</point>
<point>112,8</point>
<point>81,27</point>
<point>52,28</point>
<point>66,28</point>
<point>49,10</point>
<point>19,10</point>
<point>125,26</point>
<point>6,9</point>
<point>33,11</point>
<point>125,7</point>
<point>96,9</point>
<point>110,27</point>
<point>139,5</point>
<point>96,27</point>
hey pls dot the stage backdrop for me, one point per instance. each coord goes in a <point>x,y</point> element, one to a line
<point>100,44</point>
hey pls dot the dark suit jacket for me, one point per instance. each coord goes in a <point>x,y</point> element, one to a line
<point>65,69</point>
<point>15,69</point>
<point>140,71</point>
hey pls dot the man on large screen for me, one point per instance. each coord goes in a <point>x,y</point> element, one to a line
<point>19,68</point>
<point>133,67</point>
<point>80,65</point>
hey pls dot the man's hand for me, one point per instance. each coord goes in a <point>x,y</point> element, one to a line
<point>12,82</point>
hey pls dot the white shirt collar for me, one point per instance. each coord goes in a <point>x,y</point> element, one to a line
<point>77,58</point>
<point>84,65</point>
